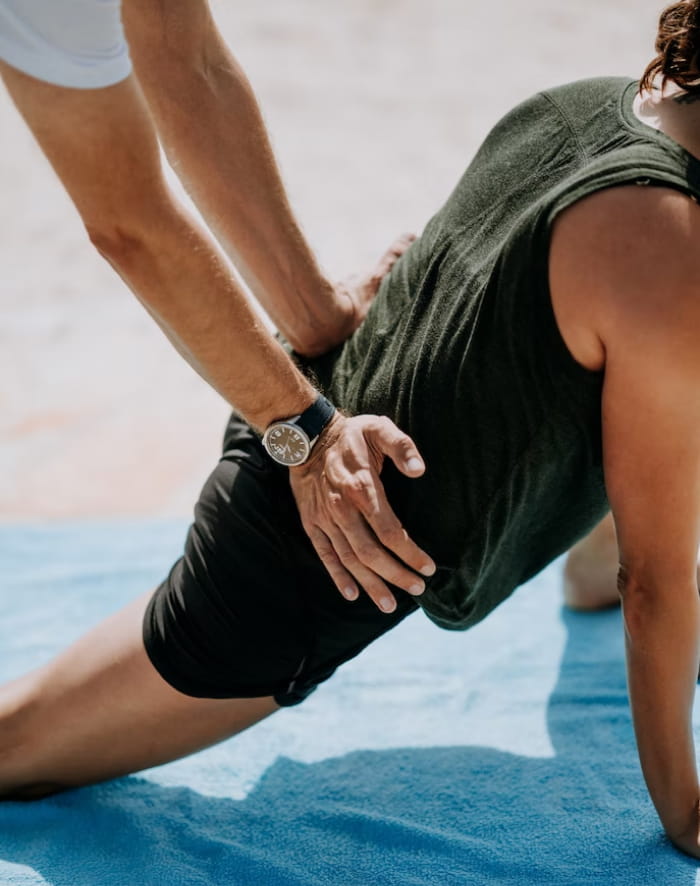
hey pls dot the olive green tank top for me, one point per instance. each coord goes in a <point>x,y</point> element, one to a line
<point>462,351</point>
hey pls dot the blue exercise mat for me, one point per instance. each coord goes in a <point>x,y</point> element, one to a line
<point>501,756</point>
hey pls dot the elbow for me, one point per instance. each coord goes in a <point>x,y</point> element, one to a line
<point>646,600</point>
<point>636,598</point>
<point>118,244</point>
<point>138,231</point>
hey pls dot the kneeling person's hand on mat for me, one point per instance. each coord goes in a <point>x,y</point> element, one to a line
<point>345,512</point>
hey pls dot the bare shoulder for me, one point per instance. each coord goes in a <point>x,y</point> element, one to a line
<point>623,260</point>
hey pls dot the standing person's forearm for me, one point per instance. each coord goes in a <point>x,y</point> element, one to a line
<point>212,128</point>
<point>212,325</point>
<point>662,641</point>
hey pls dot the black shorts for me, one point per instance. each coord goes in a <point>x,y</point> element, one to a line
<point>250,610</point>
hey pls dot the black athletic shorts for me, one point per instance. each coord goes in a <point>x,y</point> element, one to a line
<point>250,610</point>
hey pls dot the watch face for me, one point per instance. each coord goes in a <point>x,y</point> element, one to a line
<point>287,444</point>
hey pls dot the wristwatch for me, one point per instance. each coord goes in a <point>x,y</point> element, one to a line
<point>289,441</point>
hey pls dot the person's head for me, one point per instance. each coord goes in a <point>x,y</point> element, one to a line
<point>678,48</point>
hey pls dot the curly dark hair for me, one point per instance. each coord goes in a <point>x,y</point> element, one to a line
<point>678,46</point>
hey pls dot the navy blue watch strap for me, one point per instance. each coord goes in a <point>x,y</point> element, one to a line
<point>314,419</point>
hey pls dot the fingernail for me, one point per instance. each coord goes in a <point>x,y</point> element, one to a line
<point>350,593</point>
<point>414,464</point>
<point>428,569</point>
<point>416,588</point>
<point>386,604</point>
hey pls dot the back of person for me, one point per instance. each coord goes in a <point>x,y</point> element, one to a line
<point>462,350</point>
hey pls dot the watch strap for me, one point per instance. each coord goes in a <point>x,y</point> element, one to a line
<point>314,419</point>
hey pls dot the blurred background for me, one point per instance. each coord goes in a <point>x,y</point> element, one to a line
<point>375,107</point>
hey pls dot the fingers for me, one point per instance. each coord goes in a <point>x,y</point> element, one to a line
<point>397,248</point>
<point>373,565</point>
<point>342,579</point>
<point>356,555</point>
<point>387,528</point>
<point>361,290</point>
<point>372,546</point>
<point>334,551</point>
<point>368,578</point>
<point>387,439</point>
<point>389,258</point>
<point>347,516</point>
<point>357,498</point>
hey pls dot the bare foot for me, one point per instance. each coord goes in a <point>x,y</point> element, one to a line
<point>590,573</point>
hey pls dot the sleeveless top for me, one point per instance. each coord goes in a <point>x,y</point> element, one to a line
<point>461,349</point>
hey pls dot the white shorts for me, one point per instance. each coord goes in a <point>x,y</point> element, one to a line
<point>74,43</point>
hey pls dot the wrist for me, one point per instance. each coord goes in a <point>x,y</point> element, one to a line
<point>687,843</point>
<point>290,441</point>
<point>325,440</point>
<point>333,318</point>
<point>684,829</point>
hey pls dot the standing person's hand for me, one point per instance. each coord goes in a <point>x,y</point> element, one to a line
<point>351,299</point>
<point>345,512</point>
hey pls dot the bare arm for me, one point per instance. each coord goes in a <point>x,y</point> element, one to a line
<point>103,147</point>
<point>637,251</point>
<point>211,126</point>
<point>652,442</point>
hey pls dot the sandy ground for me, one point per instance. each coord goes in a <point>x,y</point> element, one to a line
<point>375,107</point>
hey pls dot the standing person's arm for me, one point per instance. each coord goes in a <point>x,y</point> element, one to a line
<point>103,147</point>
<point>632,253</point>
<point>211,126</point>
<point>212,129</point>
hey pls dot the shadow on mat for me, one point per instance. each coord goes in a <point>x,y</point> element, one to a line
<point>455,815</point>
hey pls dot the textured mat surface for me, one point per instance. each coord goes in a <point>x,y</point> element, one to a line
<point>500,756</point>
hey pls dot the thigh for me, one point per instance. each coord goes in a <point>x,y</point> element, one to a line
<point>100,710</point>
<point>250,610</point>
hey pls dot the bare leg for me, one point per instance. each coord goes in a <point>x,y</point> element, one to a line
<point>590,574</point>
<point>101,710</point>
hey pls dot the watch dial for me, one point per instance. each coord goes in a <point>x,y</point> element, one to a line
<point>287,444</point>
